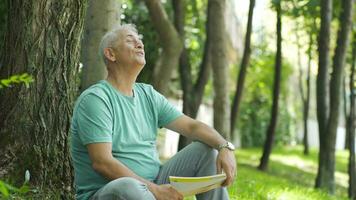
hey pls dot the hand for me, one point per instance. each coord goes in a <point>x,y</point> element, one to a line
<point>226,162</point>
<point>166,192</point>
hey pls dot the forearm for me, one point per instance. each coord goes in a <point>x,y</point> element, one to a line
<point>113,169</point>
<point>206,134</point>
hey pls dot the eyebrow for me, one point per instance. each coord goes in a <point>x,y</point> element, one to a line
<point>131,36</point>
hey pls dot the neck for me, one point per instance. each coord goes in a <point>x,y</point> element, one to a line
<point>121,79</point>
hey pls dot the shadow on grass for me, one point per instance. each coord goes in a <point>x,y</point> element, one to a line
<point>301,171</point>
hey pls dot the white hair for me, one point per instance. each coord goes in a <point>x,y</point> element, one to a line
<point>111,37</point>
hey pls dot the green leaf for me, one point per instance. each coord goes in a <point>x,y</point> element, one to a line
<point>24,189</point>
<point>3,189</point>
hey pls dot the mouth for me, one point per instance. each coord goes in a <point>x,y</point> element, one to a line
<point>141,53</point>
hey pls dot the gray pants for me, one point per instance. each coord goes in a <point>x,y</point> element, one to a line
<point>197,159</point>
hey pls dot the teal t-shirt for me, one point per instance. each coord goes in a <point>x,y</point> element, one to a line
<point>103,114</point>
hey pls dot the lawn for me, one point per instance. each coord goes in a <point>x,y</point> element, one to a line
<point>290,176</point>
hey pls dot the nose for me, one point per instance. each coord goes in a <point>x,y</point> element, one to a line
<point>139,44</point>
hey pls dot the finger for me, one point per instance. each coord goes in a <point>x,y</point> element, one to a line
<point>180,197</point>
<point>218,167</point>
<point>229,177</point>
<point>177,195</point>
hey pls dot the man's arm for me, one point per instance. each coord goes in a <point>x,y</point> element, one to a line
<point>197,130</point>
<point>104,163</point>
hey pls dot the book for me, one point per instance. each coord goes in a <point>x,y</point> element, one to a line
<point>188,186</point>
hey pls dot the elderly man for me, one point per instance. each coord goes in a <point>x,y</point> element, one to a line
<point>114,129</point>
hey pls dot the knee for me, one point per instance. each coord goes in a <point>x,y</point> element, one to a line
<point>127,188</point>
<point>206,151</point>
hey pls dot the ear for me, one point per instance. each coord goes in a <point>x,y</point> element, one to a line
<point>109,54</point>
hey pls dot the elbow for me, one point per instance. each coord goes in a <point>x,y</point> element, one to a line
<point>96,166</point>
<point>196,126</point>
<point>99,166</point>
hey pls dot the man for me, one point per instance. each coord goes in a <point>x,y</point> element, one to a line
<point>114,127</point>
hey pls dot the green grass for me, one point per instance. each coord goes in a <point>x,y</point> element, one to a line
<point>290,175</point>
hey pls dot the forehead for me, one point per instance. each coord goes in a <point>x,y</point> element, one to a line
<point>126,33</point>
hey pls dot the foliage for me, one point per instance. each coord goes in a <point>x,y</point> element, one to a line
<point>195,33</point>
<point>16,79</point>
<point>7,190</point>
<point>257,100</point>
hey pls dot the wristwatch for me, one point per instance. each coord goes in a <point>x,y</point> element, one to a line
<point>227,145</point>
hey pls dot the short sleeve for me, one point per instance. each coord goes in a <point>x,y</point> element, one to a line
<point>166,111</point>
<point>94,120</point>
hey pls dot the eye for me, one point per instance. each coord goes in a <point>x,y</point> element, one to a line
<point>130,40</point>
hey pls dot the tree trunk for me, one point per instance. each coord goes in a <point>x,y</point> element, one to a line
<point>278,68</point>
<point>217,33</point>
<point>100,18</point>
<point>351,125</point>
<point>307,99</point>
<point>301,88</point>
<point>322,77</point>
<point>242,73</point>
<point>43,39</point>
<point>192,94</point>
<point>171,44</point>
<point>325,177</point>
<point>345,105</point>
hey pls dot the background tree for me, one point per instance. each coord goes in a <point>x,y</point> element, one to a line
<point>350,128</point>
<point>242,73</point>
<point>276,88</point>
<point>170,42</point>
<point>42,38</point>
<point>305,14</point>
<point>322,77</point>
<point>217,33</point>
<point>100,18</point>
<point>325,177</point>
<point>193,91</point>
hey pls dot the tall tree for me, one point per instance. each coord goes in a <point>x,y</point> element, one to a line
<point>267,149</point>
<point>192,91</point>
<point>322,77</point>
<point>305,95</point>
<point>100,18</point>
<point>350,130</point>
<point>42,38</point>
<point>242,73</point>
<point>306,101</point>
<point>326,169</point>
<point>217,34</point>
<point>345,108</point>
<point>171,44</point>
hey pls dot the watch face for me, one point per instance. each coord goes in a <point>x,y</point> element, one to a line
<point>230,146</point>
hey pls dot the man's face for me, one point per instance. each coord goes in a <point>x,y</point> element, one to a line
<point>129,49</point>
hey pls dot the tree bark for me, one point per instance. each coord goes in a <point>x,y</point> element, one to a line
<point>171,44</point>
<point>42,39</point>
<point>351,125</point>
<point>325,177</point>
<point>242,73</point>
<point>270,134</point>
<point>218,35</point>
<point>100,18</point>
<point>322,77</point>
<point>192,93</point>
